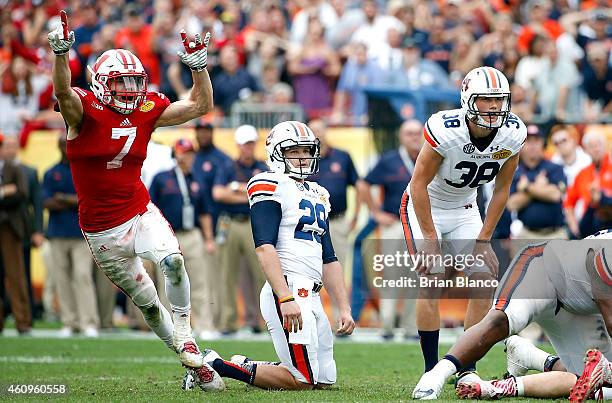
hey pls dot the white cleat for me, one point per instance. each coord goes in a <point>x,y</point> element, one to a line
<point>184,343</point>
<point>517,354</point>
<point>210,356</point>
<point>428,388</point>
<point>205,377</point>
<point>190,354</point>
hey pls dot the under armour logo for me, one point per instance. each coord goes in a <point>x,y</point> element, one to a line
<point>494,148</point>
<point>103,248</point>
<point>126,122</point>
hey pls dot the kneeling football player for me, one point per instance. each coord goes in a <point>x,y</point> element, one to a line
<point>289,220</point>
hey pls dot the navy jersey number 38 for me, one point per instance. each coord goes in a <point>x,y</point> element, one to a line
<point>313,223</point>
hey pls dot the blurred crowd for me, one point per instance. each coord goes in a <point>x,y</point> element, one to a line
<point>321,54</point>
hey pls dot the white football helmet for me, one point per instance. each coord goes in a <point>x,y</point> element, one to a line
<point>290,134</point>
<point>485,82</point>
<point>119,80</point>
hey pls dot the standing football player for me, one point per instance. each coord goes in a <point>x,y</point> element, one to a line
<point>289,219</point>
<point>108,132</point>
<point>464,148</point>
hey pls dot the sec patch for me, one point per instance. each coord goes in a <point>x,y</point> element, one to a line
<point>501,154</point>
<point>147,106</point>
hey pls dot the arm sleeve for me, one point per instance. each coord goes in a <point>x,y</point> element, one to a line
<point>265,222</point>
<point>329,255</point>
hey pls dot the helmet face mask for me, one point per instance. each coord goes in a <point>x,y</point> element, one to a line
<point>486,82</point>
<point>483,118</point>
<point>285,136</point>
<point>119,80</point>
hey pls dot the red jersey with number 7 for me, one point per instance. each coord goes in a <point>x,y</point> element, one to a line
<point>106,160</point>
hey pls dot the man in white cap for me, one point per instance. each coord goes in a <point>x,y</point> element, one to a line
<point>234,228</point>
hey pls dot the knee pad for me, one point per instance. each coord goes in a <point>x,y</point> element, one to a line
<point>173,267</point>
<point>145,296</point>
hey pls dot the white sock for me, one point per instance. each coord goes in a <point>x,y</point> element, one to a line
<point>538,358</point>
<point>520,387</point>
<point>176,283</point>
<point>158,319</point>
<point>604,394</point>
<point>444,368</point>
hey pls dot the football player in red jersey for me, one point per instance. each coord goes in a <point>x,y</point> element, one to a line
<point>109,128</point>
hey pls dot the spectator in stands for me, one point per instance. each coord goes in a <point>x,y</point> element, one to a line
<point>597,82</point>
<point>589,200</point>
<point>373,31</point>
<point>84,34</point>
<point>166,47</point>
<point>32,209</point>
<point>70,259</point>
<point>465,56</point>
<point>358,72</point>
<point>493,44</point>
<point>417,72</point>
<point>587,26</point>
<point>437,48</point>
<point>20,92</point>
<point>281,93</point>
<point>311,67</point>
<point>234,230</point>
<point>13,193</point>
<point>540,23</point>
<point>319,10</point>
<point>391,173</point>
<point>336,173</point>
<point>269,53</point>
<point>531,65</point>
<point>231,35</point>
<point>233,83</point>
<point>557,87</point>
<point>523,103</point>
<point>568,152</point>
<point>138,37</point>
<point>390,55</point>
<point>182,201</point>
<point>537,191</point>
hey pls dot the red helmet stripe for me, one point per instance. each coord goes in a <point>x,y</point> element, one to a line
<point>101,60</point>
<point>123,58</point>
<point>493,78</point>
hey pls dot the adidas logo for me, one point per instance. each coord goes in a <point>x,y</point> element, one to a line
<point>126,122</point>
<point>103,248</point>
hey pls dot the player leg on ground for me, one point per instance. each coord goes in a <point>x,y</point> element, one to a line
<point>508,317</point>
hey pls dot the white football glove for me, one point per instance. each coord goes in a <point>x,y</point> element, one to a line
<point>196,52</point>
<point>60,39</point>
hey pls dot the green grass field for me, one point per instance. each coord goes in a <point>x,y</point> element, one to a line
<point>144,370</point>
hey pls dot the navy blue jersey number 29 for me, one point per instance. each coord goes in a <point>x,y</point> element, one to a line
<point>306,227</point>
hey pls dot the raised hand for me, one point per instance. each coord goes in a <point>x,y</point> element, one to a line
<point>196,51</point>
<point>60,39</point>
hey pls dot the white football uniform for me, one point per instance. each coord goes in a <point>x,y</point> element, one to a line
<point>307,354</point>
<point>465,167</point>
<point>548,283</point>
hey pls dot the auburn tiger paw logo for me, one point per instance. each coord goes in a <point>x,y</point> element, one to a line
<point>302,292</point>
